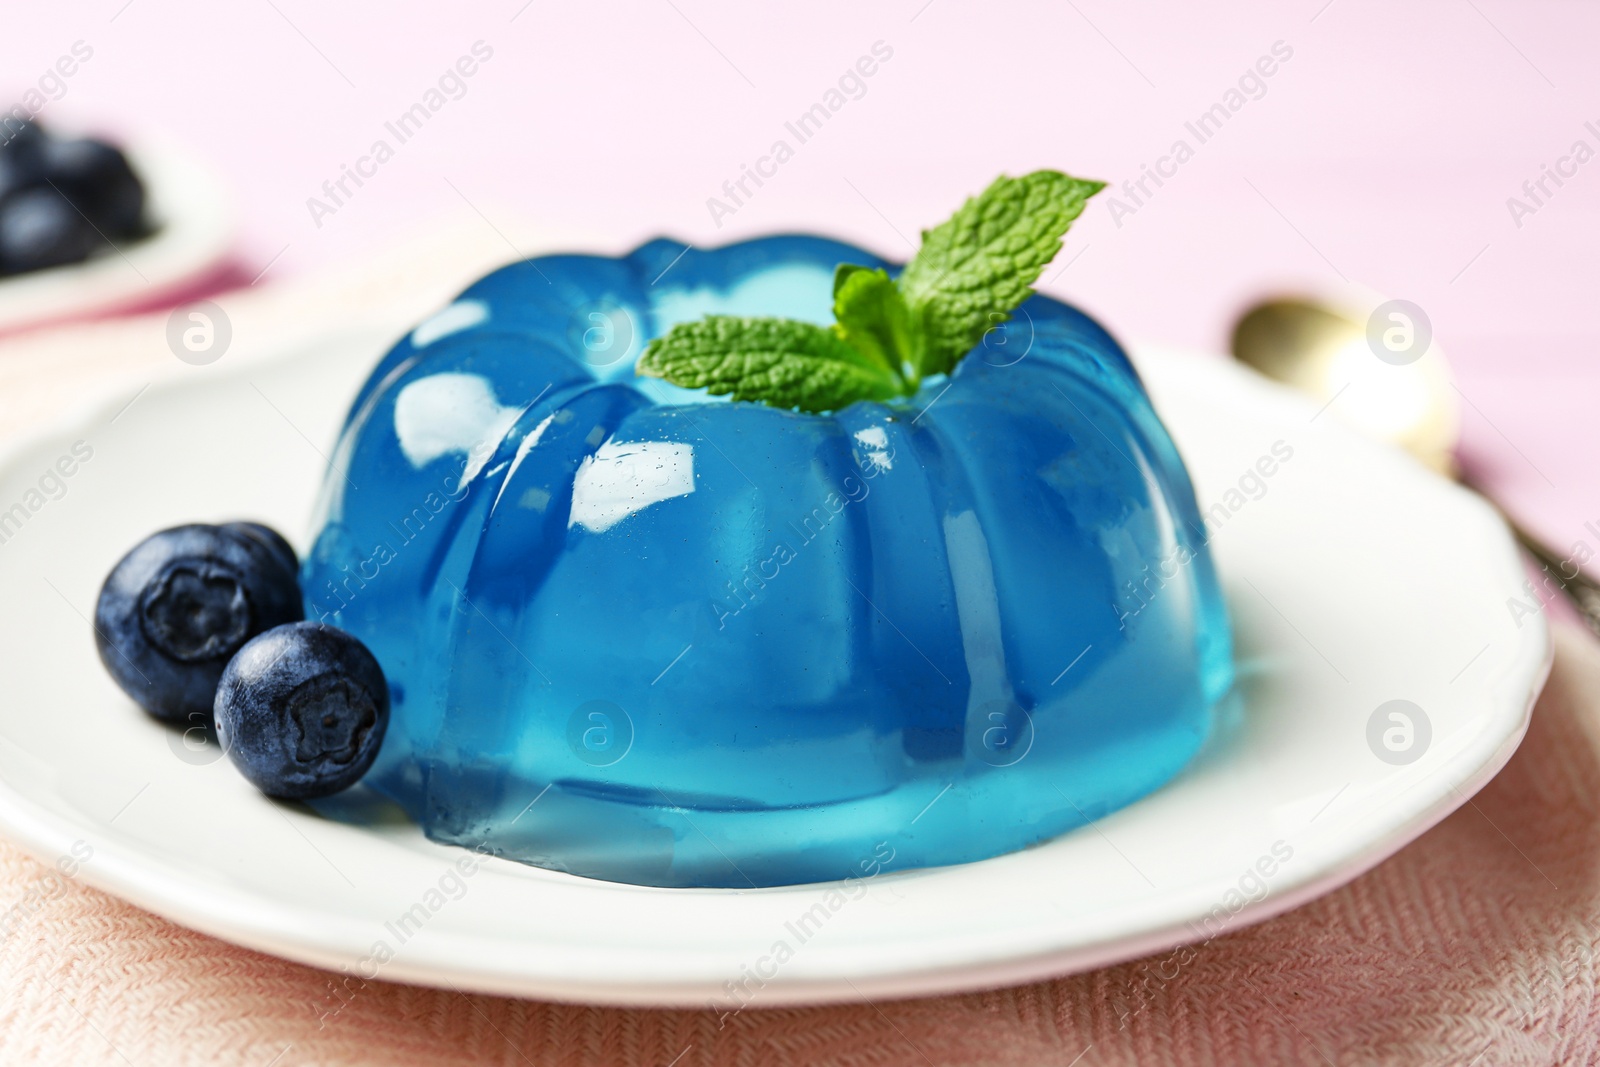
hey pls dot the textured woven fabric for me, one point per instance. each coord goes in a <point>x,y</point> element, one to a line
<point>1474,945</point>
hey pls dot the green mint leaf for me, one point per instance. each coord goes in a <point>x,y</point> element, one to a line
<point>887,334</point>
<point>780,362</point>
<point>973,269</point>
<point>843,272</point>
<point>871,315</point>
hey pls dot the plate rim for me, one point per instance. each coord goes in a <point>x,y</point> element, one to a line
<point>160,886</point>
<point>42,840</point>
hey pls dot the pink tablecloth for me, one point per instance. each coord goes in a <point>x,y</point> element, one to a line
<point>1478,944</point>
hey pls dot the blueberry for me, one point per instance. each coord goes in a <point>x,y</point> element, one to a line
<point>270,538</point>
<point>20,139</point>
<point>62,200</point>
<point>97,179</point>
<point>19,168</point>
<point>301,710</point>
<point>176,608</point>
<point>39,228</point>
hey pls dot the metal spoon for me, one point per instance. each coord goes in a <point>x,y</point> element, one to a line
<point>1334,351</point>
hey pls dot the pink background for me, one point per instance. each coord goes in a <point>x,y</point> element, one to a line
<point>1390,141</point>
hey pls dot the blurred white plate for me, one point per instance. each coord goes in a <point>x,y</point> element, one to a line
<point>1355,578</point>
<point>194,230</point>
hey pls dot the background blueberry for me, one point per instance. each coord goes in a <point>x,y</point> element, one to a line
<point>39,228</point>
<point>174,610</point>
<point>97,179</point>
<point>62,200</point>
<point>20,141</point>
<point>19,169</point>
<point>301,710</point>
<point>20,166</point>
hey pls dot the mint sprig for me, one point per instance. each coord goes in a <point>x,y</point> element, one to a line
<point>870,314</point>
<point>888,334</point>
<point>781,362</point>
<point>980,263</point>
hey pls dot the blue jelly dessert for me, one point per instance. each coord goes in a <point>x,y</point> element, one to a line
<point>637,632</point>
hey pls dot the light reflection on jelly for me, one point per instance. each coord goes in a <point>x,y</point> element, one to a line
<point>641,634</point>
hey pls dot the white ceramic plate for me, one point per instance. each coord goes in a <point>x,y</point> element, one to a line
<point>194,230</point>
<point>1355,578</point>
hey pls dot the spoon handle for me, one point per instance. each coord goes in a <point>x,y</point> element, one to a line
<point>1582,590</point>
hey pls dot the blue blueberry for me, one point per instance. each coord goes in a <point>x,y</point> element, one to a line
<point>301,710</point>
<point>270,538</point>
<point>174,610</point>
<point>19,164</point>
<point>62,200</point>
<point>97,179</point>
<point>20,143</point>
<point>40,228</point>
<point>15,130</point>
